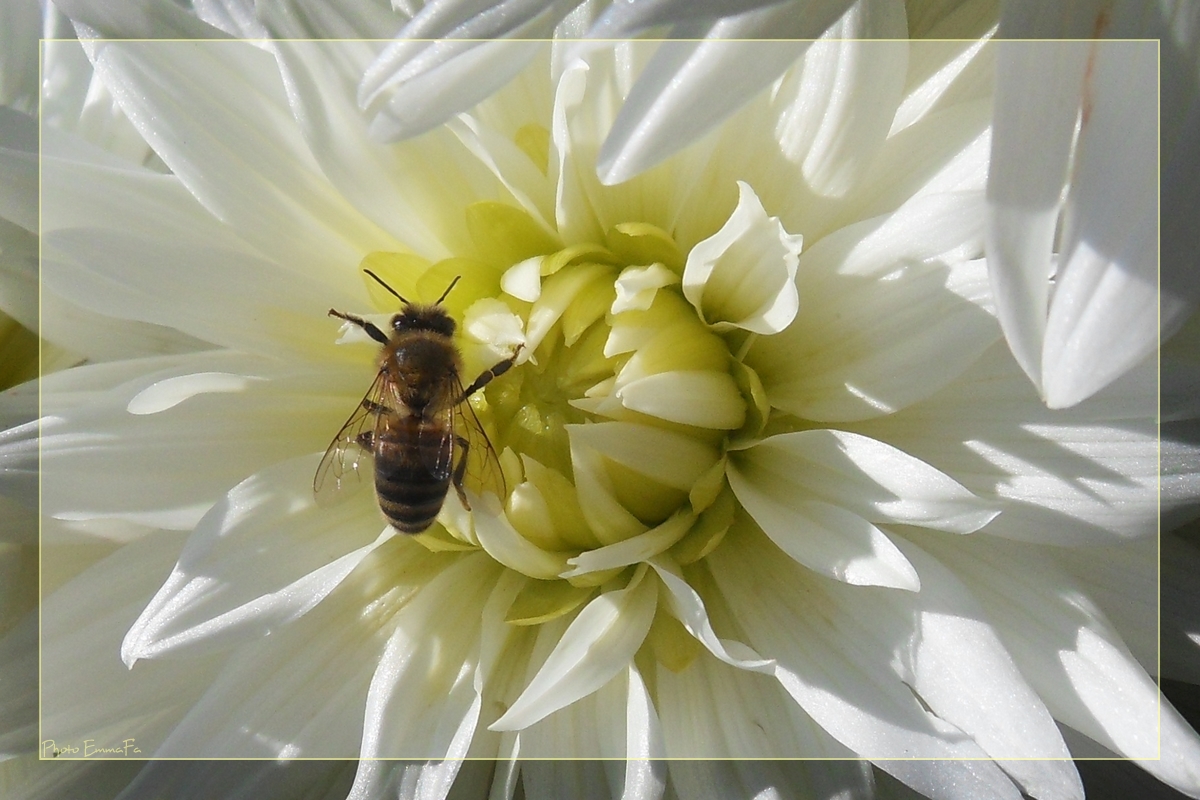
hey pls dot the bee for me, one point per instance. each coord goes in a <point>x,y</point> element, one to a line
<point>415,419</point>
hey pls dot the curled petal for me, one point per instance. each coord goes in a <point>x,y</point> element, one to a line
<point>743,276</point>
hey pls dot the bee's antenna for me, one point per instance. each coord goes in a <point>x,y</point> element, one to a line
<point>390,289</point>
<point>448,288</point>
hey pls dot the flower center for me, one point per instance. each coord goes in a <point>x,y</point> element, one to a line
<point>612,426</point>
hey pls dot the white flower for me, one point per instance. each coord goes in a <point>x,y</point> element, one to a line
<point>885,259</point>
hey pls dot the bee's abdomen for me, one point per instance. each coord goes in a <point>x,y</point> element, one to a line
<point>409,495</point>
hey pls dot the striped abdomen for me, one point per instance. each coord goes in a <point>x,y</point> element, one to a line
<point>412,470</point>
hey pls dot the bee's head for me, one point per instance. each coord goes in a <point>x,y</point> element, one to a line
<point>414,317</point>
<point>424,318</point>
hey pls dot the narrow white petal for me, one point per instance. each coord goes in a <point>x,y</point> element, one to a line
<point>598,644</point>
<point>265,555</point>
<point>687,606</point>
<point>633,550</point>
<point>687,89</point>
<point>422,702</point>
<point>622,20</point>
<point>744,275</point>
<point>822,537</point>
<point>1105,311</point>
<point>148,19</point>
<point>1036,107</point>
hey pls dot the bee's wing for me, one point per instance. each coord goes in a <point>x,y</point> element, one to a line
<point>344,467</point>
<point>435,443</point>
<point>482,472</point>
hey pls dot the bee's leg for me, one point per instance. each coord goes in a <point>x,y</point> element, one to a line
<point>487,377</point>
<point>460,470</point>
<point>366,440</point>
<point>369,327</point>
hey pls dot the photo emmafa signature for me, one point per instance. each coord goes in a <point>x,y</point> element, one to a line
<point>90,749</point>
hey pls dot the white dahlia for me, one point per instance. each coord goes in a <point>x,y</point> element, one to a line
<point>774,486</point>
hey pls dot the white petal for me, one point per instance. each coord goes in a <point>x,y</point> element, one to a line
<point>1068,652</point>
<point>839,665</point>
<point>742,715</point>
<point>840,103</point>
<point>88,689</point>
<point>1037,103</point>
<point>18,170</point>
<point>411,93</point>
<point>891,314</point>
<point>94,455</point>
<point>963,672</point>
<point>598,644</point>
<point>686,605</point>
<point>605,514</point>
<point>217,114</point>
<point>633,550</point>
<point>121,275</point>
<point>19,657</point>
<point>422,702</point>
<point>687,89</point>
<point>669,458</point>
<point>868,477</point>
<point>690,87</point>
<point>701,398</point>
<point>1105,311</point>
<point>822,537</point>
<point>302,691</point>
<point>264,556</point>
<point>637,287</point>
<point>502,542</point>
<point>1085,475</point>
<point>744,275</point>
<point>140,20</point>
<point>623,20</point>
<point>441,177</point>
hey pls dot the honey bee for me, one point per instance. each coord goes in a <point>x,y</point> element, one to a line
<point>415,419</point>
